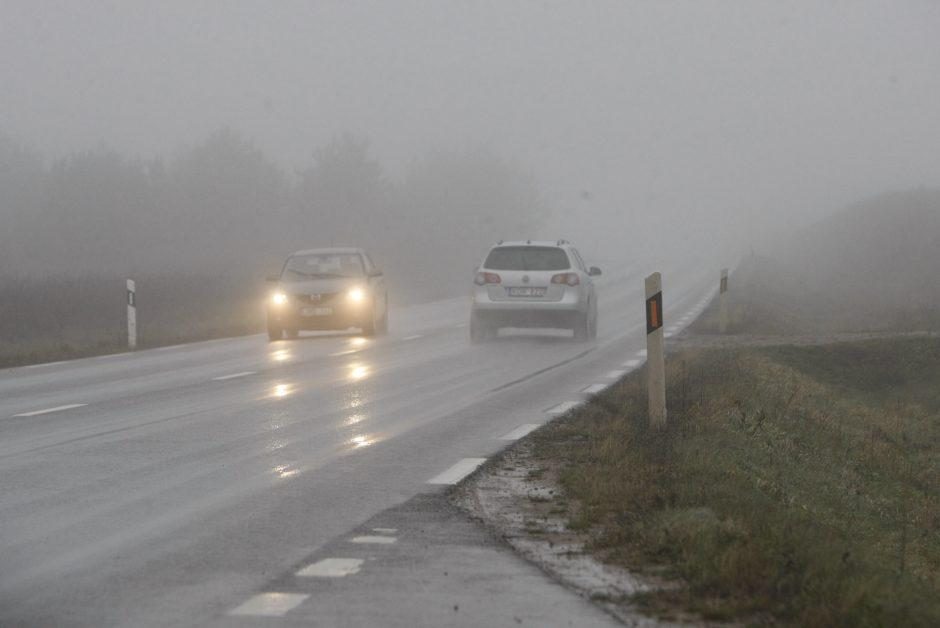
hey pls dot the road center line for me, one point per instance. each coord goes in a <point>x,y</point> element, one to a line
<point>332,568</point>
<point>48,410</point>
<point>373,539</point>
<point>233,376</point>
<point>520,431</point>
<point>269,604</point>
<point>457,472</point>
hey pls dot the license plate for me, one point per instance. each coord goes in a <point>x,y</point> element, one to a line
<point>526,292</point>
<point>317,311</point>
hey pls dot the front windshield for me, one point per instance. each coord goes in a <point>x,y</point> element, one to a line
<point>322,266</point>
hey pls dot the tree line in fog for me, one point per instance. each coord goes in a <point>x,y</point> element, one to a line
<point>222,208</point>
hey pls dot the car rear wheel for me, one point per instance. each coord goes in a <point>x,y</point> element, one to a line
<point>586,326</point>
<point>480,331</point>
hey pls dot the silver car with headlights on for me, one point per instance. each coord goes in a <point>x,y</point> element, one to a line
<point>534,284</point>
<point>333,288</point>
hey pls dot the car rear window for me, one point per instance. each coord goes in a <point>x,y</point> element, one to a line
<point>527,258</point>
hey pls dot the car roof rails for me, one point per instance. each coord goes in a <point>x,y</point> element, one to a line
<point>499,242</point>
<point>560,242</point>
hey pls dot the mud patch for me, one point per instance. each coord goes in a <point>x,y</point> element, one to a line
<point>520,499</point>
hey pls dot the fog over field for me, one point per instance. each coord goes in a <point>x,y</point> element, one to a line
<point>138,137</point>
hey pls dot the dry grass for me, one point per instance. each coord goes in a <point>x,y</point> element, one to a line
<point>68,317</point>
<point>794,485</point>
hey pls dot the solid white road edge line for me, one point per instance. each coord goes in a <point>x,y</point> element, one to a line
<point>563,407</point>
<point>615,374</point>
<point>593,389</point>
<point>520,431</point>
<point>233,376</point>
<point>630,364</point>
<point>269,604</point>
<point>48,410</point>
<point>457,472</point>
<point>332,568</point>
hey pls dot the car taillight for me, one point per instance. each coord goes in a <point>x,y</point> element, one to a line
<point>570,279</point>
<point>485,278</point>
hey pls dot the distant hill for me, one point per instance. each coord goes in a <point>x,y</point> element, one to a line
<point>873,266</point>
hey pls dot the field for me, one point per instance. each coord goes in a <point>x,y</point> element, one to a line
<point>62,318</point>
<point>794,485</point>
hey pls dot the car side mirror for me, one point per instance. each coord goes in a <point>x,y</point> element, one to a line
<point>595,271</point>
<point>272,278</point>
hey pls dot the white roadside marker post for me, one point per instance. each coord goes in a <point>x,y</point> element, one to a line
<point>655,353</point>
<point>723,302</point>
<point>131,314</point>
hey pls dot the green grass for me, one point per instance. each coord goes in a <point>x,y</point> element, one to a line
<point>794,484</point>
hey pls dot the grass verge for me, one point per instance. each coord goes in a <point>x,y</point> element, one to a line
<point>794,485</point>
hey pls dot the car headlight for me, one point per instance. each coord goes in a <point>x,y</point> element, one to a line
<point>278,298</point>
<point>356,295</point>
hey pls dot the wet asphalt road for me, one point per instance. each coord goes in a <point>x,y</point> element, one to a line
<point>172,486</point>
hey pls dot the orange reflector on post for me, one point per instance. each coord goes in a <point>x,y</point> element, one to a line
<point>654,308</point>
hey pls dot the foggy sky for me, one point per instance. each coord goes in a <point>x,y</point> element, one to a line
<point>743,113</point>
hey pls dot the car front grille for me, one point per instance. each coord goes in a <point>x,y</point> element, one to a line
<point>325,298</point>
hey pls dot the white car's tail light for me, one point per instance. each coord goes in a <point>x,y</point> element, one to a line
<point>485,278</point>
<point>570,279</point>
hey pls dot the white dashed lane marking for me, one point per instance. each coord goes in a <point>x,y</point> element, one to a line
<point>415,337</point>
<point>563,407</point>
<point>233,376</point>
<point>520,431</point>
<point>372,539</point>
<point>457,472</point>
<point>49,410</point>
<point>385,530</point>
<point>332,568</point>
<point>269,604</point>
<point>593,389</point>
